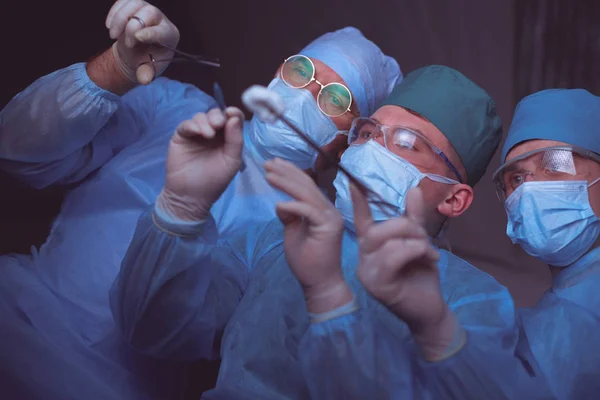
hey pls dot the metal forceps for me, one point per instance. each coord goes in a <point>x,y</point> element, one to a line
<point>187,57</point>
<point>183,56</point>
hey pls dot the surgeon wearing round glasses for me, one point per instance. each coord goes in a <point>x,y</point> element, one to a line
<point>549,184</point>
<point>336,78</point>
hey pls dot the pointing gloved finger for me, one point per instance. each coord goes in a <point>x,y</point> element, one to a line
<point>113,11</point>
<point>362,212</point>
<point>297,183</point>
<point>288,169</point>
<point>286,182</point>
<point>234,138</point>
<point>121,19</point>
<point>415,208</point>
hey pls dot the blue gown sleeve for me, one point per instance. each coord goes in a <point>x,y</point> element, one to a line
<point>346,358</point>
<point>364,354</point>
<point>177,288</point>
<point>63,126</point>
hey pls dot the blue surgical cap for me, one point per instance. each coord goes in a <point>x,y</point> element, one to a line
<point>566,115</point>
<point>369,74</point>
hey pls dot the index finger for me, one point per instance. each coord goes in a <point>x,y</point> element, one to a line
<point>362,211</point>
<point>290,179</point>
<point>415,208</point>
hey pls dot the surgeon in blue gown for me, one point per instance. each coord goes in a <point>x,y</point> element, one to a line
<point>63,129</point>
<point>92,124</point>
<point>181,282</point>
<point>549,180</point>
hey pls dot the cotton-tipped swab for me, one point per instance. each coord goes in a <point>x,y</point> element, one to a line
<point>268,106</point>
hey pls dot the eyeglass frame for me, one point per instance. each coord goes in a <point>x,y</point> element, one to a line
<point>436,150</point>
<point>322,86</point>
<point>574,149</point>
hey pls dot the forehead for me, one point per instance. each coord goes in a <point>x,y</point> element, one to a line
<point>532,145</point>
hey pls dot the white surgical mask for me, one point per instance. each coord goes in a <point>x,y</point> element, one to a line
<point>278,140</point>
<point>552,221</point>
<point>383,172</point>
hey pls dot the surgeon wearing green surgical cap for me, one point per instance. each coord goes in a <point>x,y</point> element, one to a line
<point>446,329</point>
<point>340,303</point>
<point>550,182</point>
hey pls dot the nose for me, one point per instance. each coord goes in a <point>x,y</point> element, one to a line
<point>314,88</point>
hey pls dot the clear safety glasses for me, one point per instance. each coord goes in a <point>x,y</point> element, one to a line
<point>556,163</point>
<point>334,99</point>
<point>401,141</point>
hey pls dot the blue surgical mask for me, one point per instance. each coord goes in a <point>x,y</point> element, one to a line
<point>383,172</point>
<point>552,221</point>
<point>278,140</point>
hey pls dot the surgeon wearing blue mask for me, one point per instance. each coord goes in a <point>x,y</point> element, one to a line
<point>182,280</point>
<point>549,183</point>
<point>339,76</point>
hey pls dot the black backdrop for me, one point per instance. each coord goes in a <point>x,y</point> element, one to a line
<point>510,47</point>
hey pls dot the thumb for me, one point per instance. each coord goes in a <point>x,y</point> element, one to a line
<point>234,137</point>
<point>145,73</point>
<point>362,212</point>
<point>415,208</point>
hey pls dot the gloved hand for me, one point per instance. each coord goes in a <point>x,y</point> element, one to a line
<point>201,162</point>
<point>134,39</point>
<point>398,266</point>
<point>312,237</point>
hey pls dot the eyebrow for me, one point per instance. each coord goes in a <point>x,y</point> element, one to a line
<point>514,167</point>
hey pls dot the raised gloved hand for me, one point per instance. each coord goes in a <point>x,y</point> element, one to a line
<point>137,25</point>
<point>312,237</point>
<point>201,162</point>
<point>398,266</point>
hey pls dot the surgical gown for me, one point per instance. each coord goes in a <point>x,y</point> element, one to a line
<point>563,330</point>
<point>64,129</point>
<point>176,294</point>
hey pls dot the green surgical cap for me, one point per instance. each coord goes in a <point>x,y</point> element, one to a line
<point>459,108</point>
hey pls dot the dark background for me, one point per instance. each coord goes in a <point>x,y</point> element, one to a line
<point>510,47</point>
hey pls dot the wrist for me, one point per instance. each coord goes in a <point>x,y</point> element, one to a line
<point>104,71</point>
<point>327,296</point>
<point>177,209</point>
<point>439,338</point>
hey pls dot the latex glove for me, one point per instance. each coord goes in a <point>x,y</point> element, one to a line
<point>313,230</point>
<point>134,41</point>
<point>398,266</point>
<point>201,161</point>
